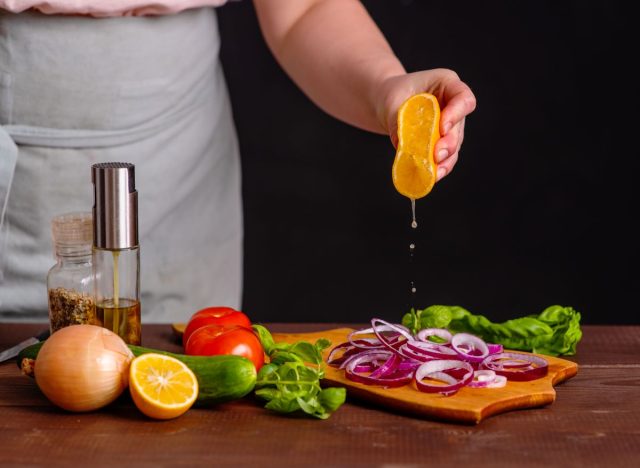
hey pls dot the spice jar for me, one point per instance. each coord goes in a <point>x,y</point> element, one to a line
<point>70,280</point>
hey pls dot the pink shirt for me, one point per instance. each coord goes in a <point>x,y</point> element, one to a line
<point>103,8</point>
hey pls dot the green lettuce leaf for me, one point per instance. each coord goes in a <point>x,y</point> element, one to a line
<point>556,331</point>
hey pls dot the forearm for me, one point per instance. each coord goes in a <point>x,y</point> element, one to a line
<point>335,53</point>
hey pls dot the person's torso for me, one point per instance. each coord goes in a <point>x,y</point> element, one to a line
<point>147,90</point>
<point>106,8</point>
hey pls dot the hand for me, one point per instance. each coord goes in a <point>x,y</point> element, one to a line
<point>456,102</point>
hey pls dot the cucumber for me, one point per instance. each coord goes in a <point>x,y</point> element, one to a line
<point>220,378</point>
<point>30,352</point>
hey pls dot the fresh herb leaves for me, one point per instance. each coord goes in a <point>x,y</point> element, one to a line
<point>291,380</point>
<point>554,332</point>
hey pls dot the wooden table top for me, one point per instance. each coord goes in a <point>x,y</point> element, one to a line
<point>595,421</point>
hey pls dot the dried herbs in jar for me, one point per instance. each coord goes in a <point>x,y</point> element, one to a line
<point>70,280</point>
<point>68,307</point>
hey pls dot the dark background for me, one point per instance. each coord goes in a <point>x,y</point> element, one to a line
<point>538,211</point>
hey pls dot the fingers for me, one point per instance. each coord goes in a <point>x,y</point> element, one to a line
<point>446,167</point>
<point>449,143</point>
<point>393,134</point>
<point>447,149</point>
<point>460,102</point>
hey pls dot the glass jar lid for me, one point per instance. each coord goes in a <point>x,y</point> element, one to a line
<point>72,229</point>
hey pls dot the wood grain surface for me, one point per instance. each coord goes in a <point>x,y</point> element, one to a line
<point>593,423</point>
<point>469,405</point>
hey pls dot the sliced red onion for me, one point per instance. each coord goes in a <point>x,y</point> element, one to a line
<point>393,378</point>
<point>392,334</point>
<point>436,370</point>
<point>347,350</point>
<point>443,333</point>
<point>484,376</point>
<point>537,367</point>
<point>499,382</point>
<point>458,373</point>
<point>412,355</point>
<point>386,368</point>
<point>379,326</point>
<point>386,326</point>
<point>487,379</point>
<point>364,342</point>
<point>470,347</point>
<point>514,364</point>
<point>367,343</point>
<point>442,377</point>
<point>395,356</point>
<point>408,365</point>
<point>369,364</point>
<point>432,350</point>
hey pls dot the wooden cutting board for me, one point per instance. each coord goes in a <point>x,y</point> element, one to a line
<point>469,405</point>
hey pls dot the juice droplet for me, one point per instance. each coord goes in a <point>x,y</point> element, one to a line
<point>414,224</point>
<point>412,249</point>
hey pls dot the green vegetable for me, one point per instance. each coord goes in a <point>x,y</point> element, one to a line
<point>220,378</point>
<point>554,332</point>
<point>291,380</point>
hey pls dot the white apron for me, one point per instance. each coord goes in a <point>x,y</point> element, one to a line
<point>147,90</point>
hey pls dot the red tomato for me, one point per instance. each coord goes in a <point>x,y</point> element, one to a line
<point>214,315</point>
<point>212,340</point>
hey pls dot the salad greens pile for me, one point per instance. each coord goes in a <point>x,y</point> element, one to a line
<point>554,332</point>
<point>291,380</point>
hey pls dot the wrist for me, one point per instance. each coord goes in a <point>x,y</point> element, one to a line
<point>388,96</point>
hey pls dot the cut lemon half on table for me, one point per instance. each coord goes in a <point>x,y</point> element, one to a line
<point>162,387</point>
<point>414,166</point>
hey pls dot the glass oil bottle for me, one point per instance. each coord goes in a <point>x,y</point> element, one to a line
<point>116,250</point>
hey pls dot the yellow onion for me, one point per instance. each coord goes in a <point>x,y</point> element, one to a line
<point>83,367</point>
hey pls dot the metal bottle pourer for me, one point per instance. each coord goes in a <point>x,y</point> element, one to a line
<point>115,209</point>
<point>116,250</point>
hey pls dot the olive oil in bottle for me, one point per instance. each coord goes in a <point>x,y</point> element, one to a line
<point>116,251</point>
<point>123,319</point>
<point>117,303</point>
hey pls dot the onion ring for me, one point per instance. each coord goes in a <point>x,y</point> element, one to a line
<point>537,367</point>
<point>487,379</point>
<point>435,370</point>
<point>391,380</point>
<point>432,350</point>
<point>470,347</point>
<point>442,333</point>
<point>363,342</point>
<point>386,326</point>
